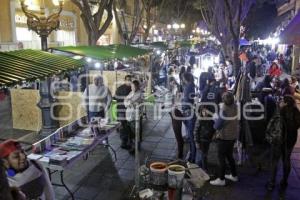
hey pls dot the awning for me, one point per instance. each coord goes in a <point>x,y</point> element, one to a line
<point>291,34</point>
<point>159,45</point>
<point>105,52</point>
<point>25,65</point>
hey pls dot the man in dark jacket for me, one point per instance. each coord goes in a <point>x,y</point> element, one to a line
<point>212,94</point>
<point>120,95</point>
<point>204,78</point>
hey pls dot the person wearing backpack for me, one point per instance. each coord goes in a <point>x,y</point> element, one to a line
<point>282,133</point>
<point>203,135</point>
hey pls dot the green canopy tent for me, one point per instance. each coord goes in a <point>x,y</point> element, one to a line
<point>105,52</point>
<point>29,65</point>
<point>185,44</point>
<point>159,45</point>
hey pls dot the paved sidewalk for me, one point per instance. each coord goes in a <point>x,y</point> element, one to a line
<point>102,178</point>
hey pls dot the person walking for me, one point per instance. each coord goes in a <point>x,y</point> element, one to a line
<point>227,127</point>
<point>188,113</point>
<point>282,146</point>
<point>203,134</point>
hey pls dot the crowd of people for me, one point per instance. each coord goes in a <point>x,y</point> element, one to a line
<point>208,107</point>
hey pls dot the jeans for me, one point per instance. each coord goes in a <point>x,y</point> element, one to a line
<point>190,124</point>
<point>225,152</point>
<point>126,133</point>
<point>177,125</point>
<point>202,153</point>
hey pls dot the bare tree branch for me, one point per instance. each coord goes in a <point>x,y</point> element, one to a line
<point>92,22</point>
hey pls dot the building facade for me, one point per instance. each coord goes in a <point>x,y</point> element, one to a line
<point>14,32</point>
<point>289,9</point>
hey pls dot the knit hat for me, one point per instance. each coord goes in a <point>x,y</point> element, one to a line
<point>8,146</point>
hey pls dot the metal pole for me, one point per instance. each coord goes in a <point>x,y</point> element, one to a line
<point>48,123</point>
<point>87,92</point>
<point>137,149</point>
<point>44,42</point>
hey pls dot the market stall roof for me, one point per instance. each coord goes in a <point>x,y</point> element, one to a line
<point>185,43</point>
<point>105,52</point>
<point>159,45</point>
<point>291,34</point>
<point>24,65</point>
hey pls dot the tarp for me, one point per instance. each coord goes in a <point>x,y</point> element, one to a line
<point>291,34</point>
<point>244,42</point>
<point>24,65</point>
<point>105,52</point>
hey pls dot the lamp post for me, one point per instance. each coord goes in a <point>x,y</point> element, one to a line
<point>43,25</point>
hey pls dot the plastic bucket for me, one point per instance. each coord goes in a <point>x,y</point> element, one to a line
<point>158,173</point>
<point>175,176</point>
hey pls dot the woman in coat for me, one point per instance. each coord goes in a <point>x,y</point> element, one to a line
<point>290,118</point>
<point>227,126</point>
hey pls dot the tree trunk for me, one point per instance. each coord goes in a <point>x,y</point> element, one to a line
<point>146,34</point>
<point>236,59</point>
<point>93,38</point>
<point>227,50</point>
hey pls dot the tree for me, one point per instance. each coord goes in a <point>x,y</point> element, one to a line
<point>127,34</point>
<point>93,15</point>
<point>149,6</point>
<point>261,20</point>
<point>224,20</point>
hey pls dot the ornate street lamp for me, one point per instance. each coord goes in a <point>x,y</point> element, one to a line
<point>41,24</point>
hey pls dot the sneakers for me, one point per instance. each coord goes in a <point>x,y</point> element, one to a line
<point>218,182</point>
<point>232,178</point>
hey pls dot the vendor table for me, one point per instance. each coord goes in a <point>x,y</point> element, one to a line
<point>71,156</point>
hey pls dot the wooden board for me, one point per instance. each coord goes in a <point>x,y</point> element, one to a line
<point>25,113</point>
<point>69,107</point>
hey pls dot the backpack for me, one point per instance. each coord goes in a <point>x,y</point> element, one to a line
<point>274,131</point>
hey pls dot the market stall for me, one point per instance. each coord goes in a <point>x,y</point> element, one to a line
<point>114,62</point>
<point>75,138</point>
<point>21,71</point>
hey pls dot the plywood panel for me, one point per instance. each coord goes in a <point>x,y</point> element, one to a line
<point>69,107</point>
<point>25,113</point>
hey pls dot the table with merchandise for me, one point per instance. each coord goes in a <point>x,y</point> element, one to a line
<point>63,148</point>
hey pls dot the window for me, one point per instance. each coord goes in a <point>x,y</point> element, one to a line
<point>66,37</point>
<point>23,34</point>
